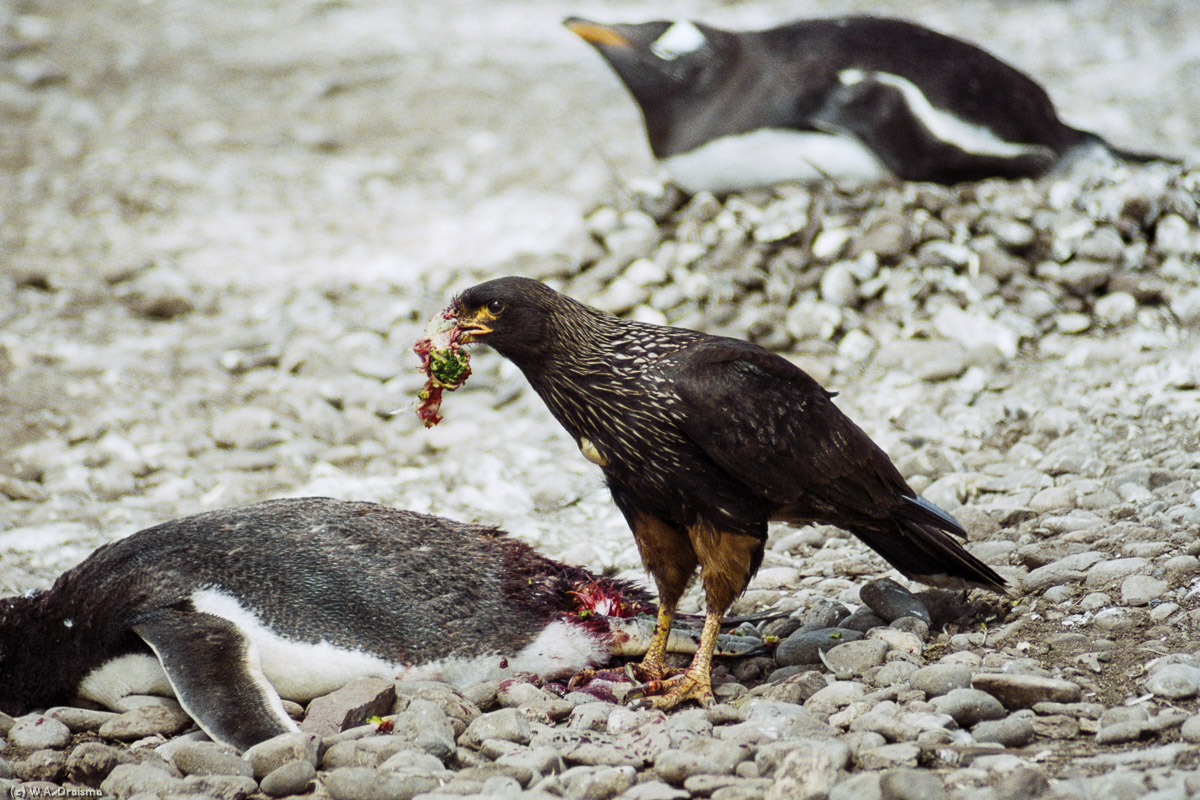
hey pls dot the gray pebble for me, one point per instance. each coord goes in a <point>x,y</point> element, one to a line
<point>507,724</point>
<point>810,769</point>
<point>654,790</point>
<point>824,613</point>
<point>1139,590</point>
<point>36,732</point>
<point>859,786</point>
<point>81,720</point>
<point>862,620</point>
<point>891,601</point>
<point>147,720</point>
<point>1023,691</point>
<point>1113,571</point>
<point>1022,783</point>
<point>363,783</point>
<point>901,754</point>
<point>289,778</point>
<point>91,762</point>
<point>209,758</point>
<point>1190,731</point>
<point>127,780</point>
<point>425,724</point>
<point>969,707</point>
<point>803,647</point>
<point>894,672</point>
<point>266,757</point>
<point>1174,681</point>
<point>1121,732</point>
<point>700,756</point>
<point>41,765</point>
<point>855,658</point>
<point>938,679</point>
<point>223,787</point>
<point>910,784</point>
<point>1015,730</point>
<point>598,783</point>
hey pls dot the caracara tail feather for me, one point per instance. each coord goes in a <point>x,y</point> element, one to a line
<point>930,555</point>
<point>921,510</point>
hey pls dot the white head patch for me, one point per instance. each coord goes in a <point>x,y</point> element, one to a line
<point>680,39</point>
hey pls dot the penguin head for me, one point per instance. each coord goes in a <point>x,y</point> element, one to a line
<point>667,66</point>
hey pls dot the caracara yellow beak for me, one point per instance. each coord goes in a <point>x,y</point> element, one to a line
<point>473,324</point>
<point>595,33</point>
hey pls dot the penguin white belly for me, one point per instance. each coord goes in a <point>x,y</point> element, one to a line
<point>561,649</point>
<point>298,670</point>
<point>769,156</point>
<point>301,671</point>
<point>113,680</point>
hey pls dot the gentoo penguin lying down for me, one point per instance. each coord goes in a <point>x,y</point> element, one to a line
<point>855,97</point>
<point>231,610</point>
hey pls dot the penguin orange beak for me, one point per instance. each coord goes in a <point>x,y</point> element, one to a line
<point>596,34</point>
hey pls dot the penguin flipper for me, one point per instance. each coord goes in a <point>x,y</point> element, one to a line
<point>919,142</point>
<point>213,668</point>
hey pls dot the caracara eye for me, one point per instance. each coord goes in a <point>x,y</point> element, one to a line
<point>495,307</point>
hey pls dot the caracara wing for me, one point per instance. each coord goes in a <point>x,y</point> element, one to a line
<point>769,424</point>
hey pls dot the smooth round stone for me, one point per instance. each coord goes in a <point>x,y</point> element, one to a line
<point>969,707</point>
<point>1139,590</point>
<point>901,754</point>
<point>1190,730</point>
<point>291,778</point>
<point>1012,731</point>
<point>838,286</point>
<point>1023,691</point>
<point>507,723</point>
<point>268,756</point>
<point>938,679</point>
<point>856,658</point>
<point>1116,308</point>
<point>361,783</point>
<point>1174,681</point>
<point>37,732</point>
<point>911,784</point>
<point>1023,783</point>
<point>804,647</point>
<point>862,620</point>
<point>837,694</point>
<point>1112,571</point>
<point>209,758</point>
<point>1072,322</point>
<point>894,673</point>
<point>891,601</point>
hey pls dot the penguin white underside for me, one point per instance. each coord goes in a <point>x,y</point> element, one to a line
<point>300,671</point>
<point>772,155</point>
<point>120,677</point>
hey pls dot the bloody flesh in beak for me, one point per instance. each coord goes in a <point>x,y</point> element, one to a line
<point>443,360</point>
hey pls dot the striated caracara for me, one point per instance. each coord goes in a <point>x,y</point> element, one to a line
<point>703,440</point>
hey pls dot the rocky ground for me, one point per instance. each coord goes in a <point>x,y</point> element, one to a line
<point>223,231</point>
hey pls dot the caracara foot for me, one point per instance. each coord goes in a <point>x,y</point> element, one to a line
<point>666,694</point>
<point>630,673</point>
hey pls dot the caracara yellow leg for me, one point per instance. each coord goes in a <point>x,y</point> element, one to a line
<point>696,681</point>
<point>653,666</point>
<point>654,663</point>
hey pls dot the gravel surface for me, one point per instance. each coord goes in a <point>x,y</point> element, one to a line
<point>224,227</point>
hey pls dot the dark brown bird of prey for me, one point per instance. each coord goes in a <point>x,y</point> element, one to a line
<point>703,440</point>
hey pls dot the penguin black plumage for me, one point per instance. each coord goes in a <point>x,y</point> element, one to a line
<point>851,97</point>
<point>230,610</point>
